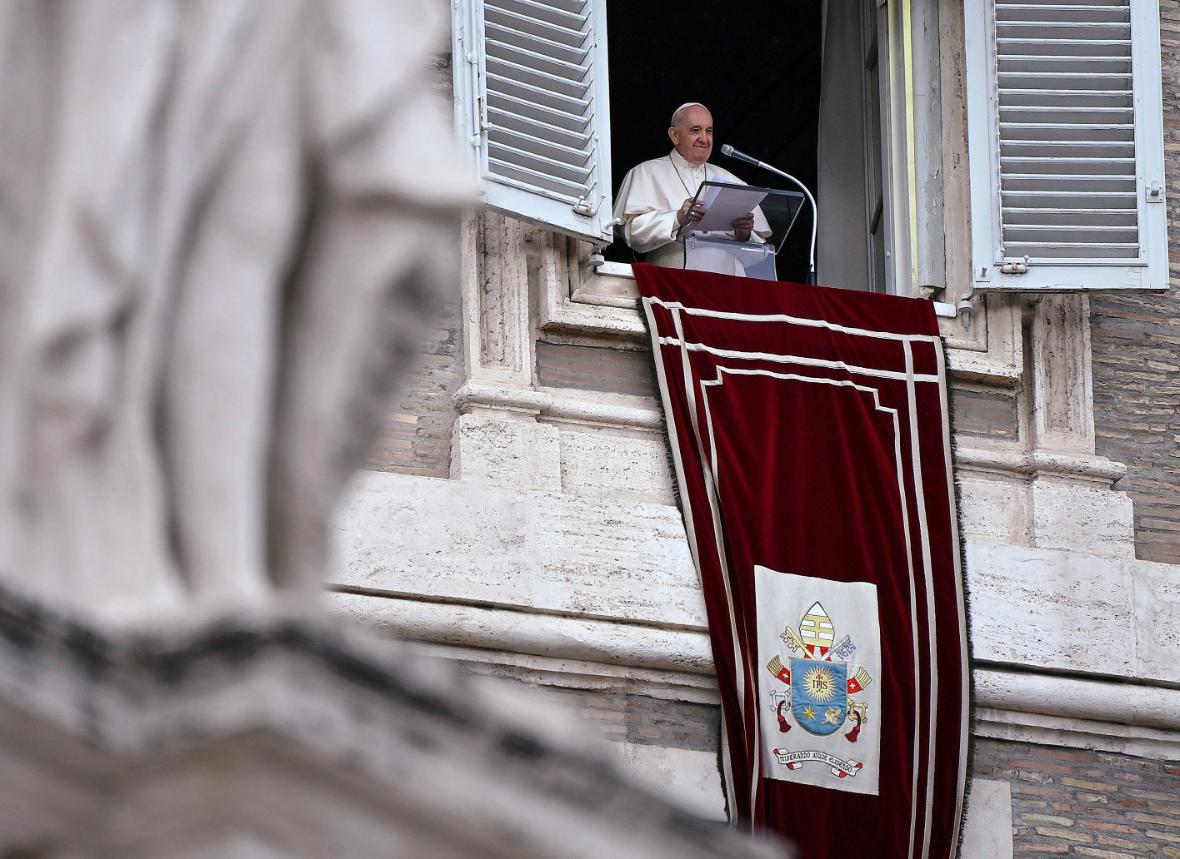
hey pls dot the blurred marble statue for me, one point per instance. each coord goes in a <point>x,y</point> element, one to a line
<point>222,224</point>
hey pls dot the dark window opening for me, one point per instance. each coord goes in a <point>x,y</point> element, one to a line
<point>756,66</point>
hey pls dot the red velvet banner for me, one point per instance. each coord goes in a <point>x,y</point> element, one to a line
<point>812,448</point>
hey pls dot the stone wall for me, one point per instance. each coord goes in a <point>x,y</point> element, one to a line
<point>416,435</point>
<point>1136,343</point>
<point>1075,802</point>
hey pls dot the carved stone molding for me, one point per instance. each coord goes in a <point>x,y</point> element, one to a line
<point>1078,713</point>
<point>1061,374</point>
<point>1097,470</point>
<point>1012,704</point>
<point>496,331</point>
<point>604,409</point>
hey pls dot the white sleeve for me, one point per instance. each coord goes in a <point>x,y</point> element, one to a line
<point>645,225</point>
<point>649,231</point>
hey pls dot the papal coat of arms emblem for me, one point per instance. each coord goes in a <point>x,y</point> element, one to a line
<point>820,684</point>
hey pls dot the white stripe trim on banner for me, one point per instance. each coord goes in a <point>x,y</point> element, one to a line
<point>792,320</point>
<point>801,360</point>
<point>931,627</point>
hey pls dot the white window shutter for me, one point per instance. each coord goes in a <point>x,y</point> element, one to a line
<point>531,100</point>
<point>1065,133</point>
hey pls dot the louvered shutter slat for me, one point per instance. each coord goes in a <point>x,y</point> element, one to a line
<point>1058,199</point>
<point>537,51</point>
<point>529,26</point>
<point>549,120</point>
<point>520,121</point>
<point>1087,82</point>
<point>1065,167</point>
<point>1103,149</point>
<point>572,155</point>
<point>565,85</point>
<point>553,67</point>
<point>1079,251</point>
<point>1061,216</point>
<point>537,156</point>
<point>1057,183</point>
<point>576,53</point>
<point>1072,233</point>
<point>547,103</point>
<point>1050,63</point>
<point>1023,46</point>
<point>530,179</point>
<point>1050,28</point>
<point>1075,107</point>
<point>1068,65</point>
<point>1015,132</point>
<point>1064,12</point>
<point>571,16</point>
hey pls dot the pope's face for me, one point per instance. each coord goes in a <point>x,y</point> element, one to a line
<point>693,135</point>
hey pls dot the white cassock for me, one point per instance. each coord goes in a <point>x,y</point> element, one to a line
<point>650,197</point>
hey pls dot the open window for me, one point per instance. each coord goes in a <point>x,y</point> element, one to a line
<point>808,87</point>
<point>1066,145</point>
<point>695,52</point>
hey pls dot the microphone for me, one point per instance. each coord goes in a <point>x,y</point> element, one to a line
<point>730,152</point>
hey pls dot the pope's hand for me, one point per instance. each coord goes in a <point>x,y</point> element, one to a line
<point>743,226</point>
<point>689,212</point>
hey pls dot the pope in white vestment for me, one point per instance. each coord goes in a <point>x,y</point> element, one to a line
<point>654,201</point>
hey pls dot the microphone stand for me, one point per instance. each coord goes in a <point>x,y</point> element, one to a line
<point>741,156</point>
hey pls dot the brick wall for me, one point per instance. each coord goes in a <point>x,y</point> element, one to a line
<point>1065,802</point>
<point>1136,343</point>
<point>644,720</point>
<point>416,436</point>
<point>1073,802</point>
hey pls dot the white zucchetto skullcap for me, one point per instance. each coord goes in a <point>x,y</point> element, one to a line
<point>676,112</point>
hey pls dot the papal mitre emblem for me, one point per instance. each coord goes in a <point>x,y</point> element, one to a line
<point>816,630</point>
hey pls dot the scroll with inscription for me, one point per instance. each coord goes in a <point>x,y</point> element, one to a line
<point>811,441</point>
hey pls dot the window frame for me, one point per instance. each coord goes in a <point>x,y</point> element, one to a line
<point>589,219</point>
<point>1150,271</point>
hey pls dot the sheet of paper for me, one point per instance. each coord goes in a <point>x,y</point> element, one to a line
<point>723,206</point>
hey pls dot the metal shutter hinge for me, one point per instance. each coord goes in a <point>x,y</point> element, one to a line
<point>1155,191</point>
<point>1015,266</point>
<point>584,207</point>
